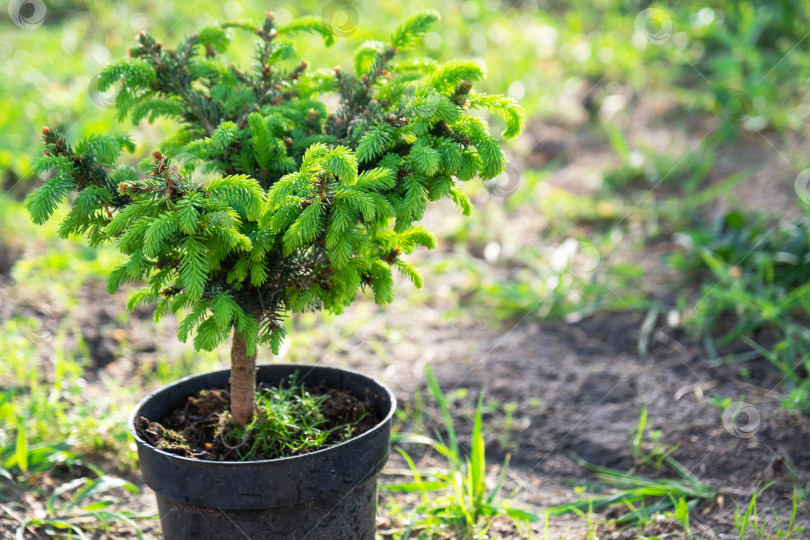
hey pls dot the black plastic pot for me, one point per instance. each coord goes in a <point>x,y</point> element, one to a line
<point>328,494</point>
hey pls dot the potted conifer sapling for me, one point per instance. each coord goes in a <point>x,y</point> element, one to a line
<point>264,202</point>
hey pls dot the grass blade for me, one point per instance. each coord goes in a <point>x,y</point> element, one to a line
<point>21,449</point>
<point>478,455</point>
<point>501,479</point>
<point>436,392</point>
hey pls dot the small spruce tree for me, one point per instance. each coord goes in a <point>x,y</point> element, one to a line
<point>300,206</point>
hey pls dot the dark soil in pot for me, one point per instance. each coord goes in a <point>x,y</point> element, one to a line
<point>200,428</point>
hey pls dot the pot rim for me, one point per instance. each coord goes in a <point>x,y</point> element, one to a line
<point>132,416</point>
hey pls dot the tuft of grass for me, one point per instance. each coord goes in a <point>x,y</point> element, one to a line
<point>289,420</point>
<point>47,429</point>
<point>753,293</point>
<point>656,455</point>
<point>77,507</point>
<point>43,402</point>
<point>644,498</point>
<point>749,524</point>
<point>456,500</point>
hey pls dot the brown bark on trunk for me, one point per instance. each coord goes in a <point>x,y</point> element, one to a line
<point>243,380</point>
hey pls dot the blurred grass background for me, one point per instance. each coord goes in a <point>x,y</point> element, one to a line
<point>541,53</point>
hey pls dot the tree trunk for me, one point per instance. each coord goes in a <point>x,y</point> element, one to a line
<point>243,380</point>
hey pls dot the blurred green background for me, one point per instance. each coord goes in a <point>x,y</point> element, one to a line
<point>542,53</point>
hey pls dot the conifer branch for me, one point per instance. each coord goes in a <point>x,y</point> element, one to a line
<point>300,207</point>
